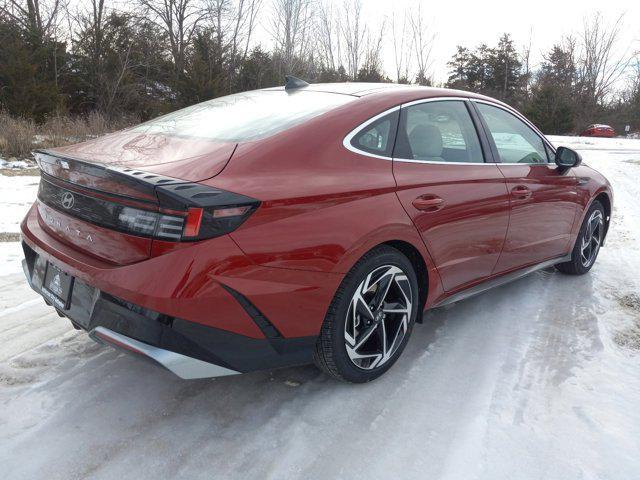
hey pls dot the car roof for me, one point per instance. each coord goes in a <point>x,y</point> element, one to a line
<point>403,92</point>
<point>356,89</point>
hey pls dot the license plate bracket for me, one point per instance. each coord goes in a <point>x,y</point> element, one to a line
<point>57,286</point>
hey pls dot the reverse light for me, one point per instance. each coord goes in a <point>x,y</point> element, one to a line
<point>230,212</point>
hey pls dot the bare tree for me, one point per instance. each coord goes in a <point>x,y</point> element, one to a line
<point>402,46</point>
<point>246,16</point>
<point>40,18</point>
<point>219,12</point>
<point>89,24</point>
<point>234,23</point>
<point>93,23</point>
<point>526,65</point>
<point>179,19</point>
<point>600,67</point>
<point>292,30</point>
<point>371,70</point>
<point>423,41</point>
<point>353,31</point>
<point>328,36</point>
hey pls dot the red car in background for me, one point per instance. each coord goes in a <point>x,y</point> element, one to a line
<point>598,130</point>
<point>306,223</point>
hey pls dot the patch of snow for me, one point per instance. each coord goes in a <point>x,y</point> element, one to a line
<point>17,194</point>
<point>15,164</point>
<point>38,139</point>
<point>11,256</point>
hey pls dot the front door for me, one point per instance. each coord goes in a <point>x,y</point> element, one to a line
<point>543,198</point>
<point>458,202</point>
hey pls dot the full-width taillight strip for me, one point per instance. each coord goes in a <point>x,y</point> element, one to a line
<point>183,212</point>
<point>110,214</point>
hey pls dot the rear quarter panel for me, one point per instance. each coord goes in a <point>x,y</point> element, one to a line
<point>323,206</point>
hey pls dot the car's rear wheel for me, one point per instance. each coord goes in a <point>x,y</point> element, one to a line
<point>587,246</point>
<point>370,318</point>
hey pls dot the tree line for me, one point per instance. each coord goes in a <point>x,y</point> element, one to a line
<point>584,78</point>
<point>158,55</point>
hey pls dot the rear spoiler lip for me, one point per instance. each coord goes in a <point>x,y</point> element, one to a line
<point>138,179</point>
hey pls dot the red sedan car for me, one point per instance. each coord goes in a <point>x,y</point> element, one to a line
<point>598,130</point>
<point>307,223</point>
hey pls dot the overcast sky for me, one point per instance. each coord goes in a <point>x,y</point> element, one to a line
<point>469,23</point>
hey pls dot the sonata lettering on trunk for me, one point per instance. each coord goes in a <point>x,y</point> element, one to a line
<point>57,224</point>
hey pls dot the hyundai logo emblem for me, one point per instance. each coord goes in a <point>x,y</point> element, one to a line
<point>68,200</point>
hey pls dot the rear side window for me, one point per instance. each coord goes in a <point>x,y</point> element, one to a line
<point>440,131</point>
<point>377,137</point>
<point>244,116</point>
<point>515,140</point>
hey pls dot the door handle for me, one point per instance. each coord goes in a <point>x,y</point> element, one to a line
<point>428,203</point>
<point>521,191</point>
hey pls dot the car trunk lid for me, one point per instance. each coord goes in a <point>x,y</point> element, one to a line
<point>123,215</point>
<point>188,159</point>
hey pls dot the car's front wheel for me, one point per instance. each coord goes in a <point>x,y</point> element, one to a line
<point>370,318</point>
<point>585,251</point>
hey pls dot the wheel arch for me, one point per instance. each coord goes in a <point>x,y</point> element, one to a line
<point>418,262</point>
<point>420,259</point>
<point>604,198</point>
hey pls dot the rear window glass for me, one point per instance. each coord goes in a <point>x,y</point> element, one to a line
<point>244,116</point>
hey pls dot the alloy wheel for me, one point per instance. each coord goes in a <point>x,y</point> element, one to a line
<point>592,239</point>
<point>378,317</point>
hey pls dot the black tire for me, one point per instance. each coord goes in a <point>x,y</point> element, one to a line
<point>331,353</point>
<point>577,266</point>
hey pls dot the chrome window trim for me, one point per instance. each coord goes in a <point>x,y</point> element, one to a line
<point>514,164</point>
<point>524,119</point>
<point>433,99</point>
<point>478,164</point>
<point>347,140</point>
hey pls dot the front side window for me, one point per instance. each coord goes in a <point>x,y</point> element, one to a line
<point>515,140</point>
<point>440,131</point>
<point>244,116</point>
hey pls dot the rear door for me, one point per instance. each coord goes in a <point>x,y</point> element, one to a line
<point>543,198</point>
<point>457,200</point>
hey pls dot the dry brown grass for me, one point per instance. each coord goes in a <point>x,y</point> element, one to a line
<point>18,136</point>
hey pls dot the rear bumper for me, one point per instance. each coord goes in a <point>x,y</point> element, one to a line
<point>189,349</point>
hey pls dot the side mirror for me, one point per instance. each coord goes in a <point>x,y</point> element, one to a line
<point>567,158</point>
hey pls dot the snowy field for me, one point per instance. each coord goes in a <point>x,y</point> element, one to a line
<point>539,379</point>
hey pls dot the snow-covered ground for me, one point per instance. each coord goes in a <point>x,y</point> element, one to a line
<point>617,144</point>
<point>16,196</point>
<point>535,380</point>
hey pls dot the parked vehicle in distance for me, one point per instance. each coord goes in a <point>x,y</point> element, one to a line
<point>598,130</point>
<point>306,223</point>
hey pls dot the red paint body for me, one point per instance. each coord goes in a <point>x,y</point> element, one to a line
<point>322,207</point>
<point>598,131</point>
